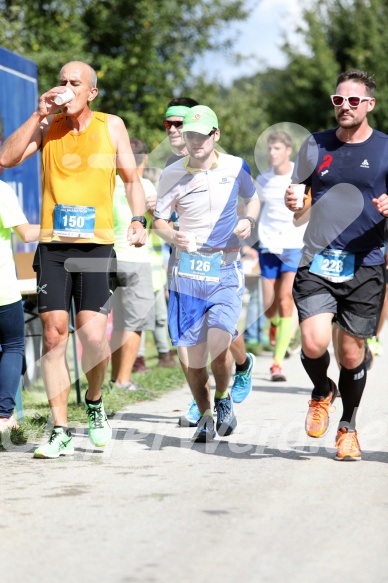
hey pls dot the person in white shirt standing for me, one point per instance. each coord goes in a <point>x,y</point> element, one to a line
<point>280,244</point>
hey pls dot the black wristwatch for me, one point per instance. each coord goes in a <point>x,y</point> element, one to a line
<point>252,221</point>
<point>140,219</point>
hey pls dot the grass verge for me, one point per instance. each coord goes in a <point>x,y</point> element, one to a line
<point>37,413</point>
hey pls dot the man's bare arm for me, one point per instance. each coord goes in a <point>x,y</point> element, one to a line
<point>26,140</point>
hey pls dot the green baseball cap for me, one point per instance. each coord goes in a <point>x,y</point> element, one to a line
<point>200,119</point>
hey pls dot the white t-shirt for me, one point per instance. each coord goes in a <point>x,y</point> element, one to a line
<point>11,215</point>
<point>276,228</point>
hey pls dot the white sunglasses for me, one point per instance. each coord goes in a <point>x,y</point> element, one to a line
<point>354,100</point>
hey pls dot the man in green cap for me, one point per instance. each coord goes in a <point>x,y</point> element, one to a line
<point>207,284</point>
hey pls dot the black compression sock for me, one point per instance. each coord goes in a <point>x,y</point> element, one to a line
<point>316,368</point>
<point>351,386</point>
<point>243,367</point>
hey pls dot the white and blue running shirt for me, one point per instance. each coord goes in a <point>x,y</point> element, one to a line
<point>206,200</point>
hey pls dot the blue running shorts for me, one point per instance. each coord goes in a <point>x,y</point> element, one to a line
<point>273,265</point>
<point>195,306</point>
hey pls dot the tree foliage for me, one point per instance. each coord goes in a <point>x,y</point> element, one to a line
<point>142,51</point>
<point>336,35</point>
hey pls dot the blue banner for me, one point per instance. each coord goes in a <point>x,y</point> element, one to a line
<point>18,99</point>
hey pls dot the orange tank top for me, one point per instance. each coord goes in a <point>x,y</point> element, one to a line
<point>78,170</point>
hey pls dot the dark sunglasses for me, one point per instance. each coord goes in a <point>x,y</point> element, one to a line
<point>354,100</point>
<point>168,124</point>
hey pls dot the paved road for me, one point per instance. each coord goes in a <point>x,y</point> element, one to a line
<point>267,504</point>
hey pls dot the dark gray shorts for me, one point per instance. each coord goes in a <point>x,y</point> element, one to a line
<point>355,304</point>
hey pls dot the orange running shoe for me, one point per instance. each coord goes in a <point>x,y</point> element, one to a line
<point>348,446</point>
<point>277,374</point>
<point>317,420</point>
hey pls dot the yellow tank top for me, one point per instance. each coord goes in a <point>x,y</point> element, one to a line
<point>78,170</point>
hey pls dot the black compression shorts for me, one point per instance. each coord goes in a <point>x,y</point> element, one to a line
<point>83,272</point>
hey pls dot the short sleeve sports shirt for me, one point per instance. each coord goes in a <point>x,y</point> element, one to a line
<point>344,178</point>
<point>206,200</point>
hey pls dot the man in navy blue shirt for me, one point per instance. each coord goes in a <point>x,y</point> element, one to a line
<point>341,275</point>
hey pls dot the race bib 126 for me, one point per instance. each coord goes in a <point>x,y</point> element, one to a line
<point>200,266</point>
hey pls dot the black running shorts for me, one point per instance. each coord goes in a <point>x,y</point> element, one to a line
<point>356,304</point>
<point>83,272</point>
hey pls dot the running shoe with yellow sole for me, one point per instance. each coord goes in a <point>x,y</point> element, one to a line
<point>317,420</point>
<point>348,446</point>
<point>60,443</point>
<point>100,432</point>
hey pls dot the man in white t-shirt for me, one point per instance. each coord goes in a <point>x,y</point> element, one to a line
<point>280,244</point>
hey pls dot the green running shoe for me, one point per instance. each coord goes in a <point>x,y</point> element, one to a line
<point>375,346</point>
<point>100,432</point>
<point>60,443</point>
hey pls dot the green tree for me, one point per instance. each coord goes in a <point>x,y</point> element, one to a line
<point>10,30</point>
<point>142,51</point>
<point>240,113</point>
<point>49,33</point>
<point>336,35</point>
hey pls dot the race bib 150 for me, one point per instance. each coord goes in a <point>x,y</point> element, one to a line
<point>74,221</point>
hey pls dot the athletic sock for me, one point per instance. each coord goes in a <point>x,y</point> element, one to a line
<point>275,320</point>
<point>94,403</point>
<point>208,413</point>
<point>222,395</point>
<point>316,368</point>
<point>351,387</point>
<point>283,337</point>
<point>243,367</point>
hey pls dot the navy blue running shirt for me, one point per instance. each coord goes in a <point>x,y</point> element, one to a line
<point>343,182</point>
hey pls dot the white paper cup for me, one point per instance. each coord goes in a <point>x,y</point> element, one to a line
<point>64,97</point>
<point>192,247</point>
<point>299,191</point>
